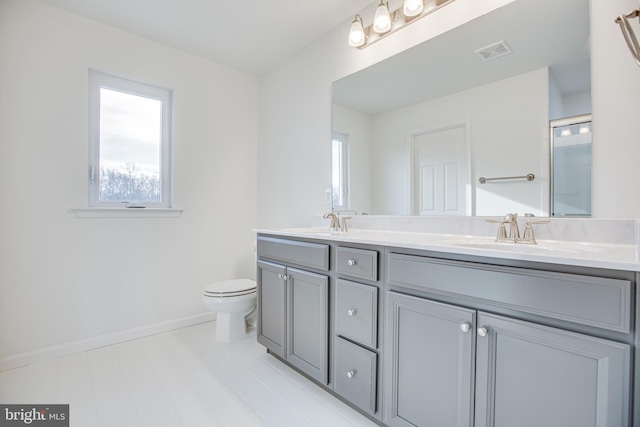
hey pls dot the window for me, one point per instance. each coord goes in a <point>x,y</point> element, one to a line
<point>340,171</point>
<point>130,143</point>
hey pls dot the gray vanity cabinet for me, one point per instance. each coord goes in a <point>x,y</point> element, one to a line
<point>293,303</point>
<point>526,375</point>
<point>530,376</point>
<point>430,363</point>
<point>454,364</point>
<point>307,324</point>
<point>424,340</point>
<point>356,344</point>
<point>272,313</point>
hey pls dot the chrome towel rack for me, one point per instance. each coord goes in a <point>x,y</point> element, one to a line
<point>629,34</point>
<point>528,177</point>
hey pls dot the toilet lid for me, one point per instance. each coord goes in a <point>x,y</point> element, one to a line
<point>231,288</point>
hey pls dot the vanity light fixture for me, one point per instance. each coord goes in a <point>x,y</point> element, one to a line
<point>412,7</point>
<point>386,22</point>
<point>382,18</point>
<point>356,32</point>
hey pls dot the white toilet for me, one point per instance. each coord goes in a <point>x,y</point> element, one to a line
<point>234,301</point>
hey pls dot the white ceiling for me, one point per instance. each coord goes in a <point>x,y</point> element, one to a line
<point>248,35</point>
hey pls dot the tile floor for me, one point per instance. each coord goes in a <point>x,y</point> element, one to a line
<point>181,378</point>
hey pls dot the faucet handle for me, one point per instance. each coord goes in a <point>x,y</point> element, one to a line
<point>538,221</point>
<point>502,230</point>
<point>344,223</point>
<point>335,221</point>
<point>529,237</point>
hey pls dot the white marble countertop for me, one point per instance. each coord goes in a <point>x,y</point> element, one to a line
<point>615,256</point>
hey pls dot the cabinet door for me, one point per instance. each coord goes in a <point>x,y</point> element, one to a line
<point>271,307</point>
<point>307,301</point>
<point>531,376</point>
<point>429,363</point>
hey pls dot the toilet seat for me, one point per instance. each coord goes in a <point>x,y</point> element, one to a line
<point>230,288</point>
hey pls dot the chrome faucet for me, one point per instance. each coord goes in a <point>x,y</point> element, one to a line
<point>335,221</point>
<point>336,224</point>
<point>514,230</point>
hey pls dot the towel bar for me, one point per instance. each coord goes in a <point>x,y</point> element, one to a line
<point>528,177</point>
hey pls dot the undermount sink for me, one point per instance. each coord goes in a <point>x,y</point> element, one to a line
<point>313,231</point>
<point>517,247</point>
<point>506,246</point>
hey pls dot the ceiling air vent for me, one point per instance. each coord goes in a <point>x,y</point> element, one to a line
<point>493,51</point>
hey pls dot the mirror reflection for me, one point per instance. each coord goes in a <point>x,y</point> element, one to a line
<point>571,140</point>
<point>414,133</point>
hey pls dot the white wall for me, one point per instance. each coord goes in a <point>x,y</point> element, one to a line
<point>508,135</point>
<point>567,105</point>
<point>65,279</point>
<point>295,108</point>
<point>615,85</point>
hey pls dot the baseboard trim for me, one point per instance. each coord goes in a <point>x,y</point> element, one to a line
<point>35,356</point>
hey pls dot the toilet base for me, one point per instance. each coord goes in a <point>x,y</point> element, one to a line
<point>233,327</point>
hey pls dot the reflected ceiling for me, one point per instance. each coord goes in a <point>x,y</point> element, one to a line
<point>448,64</point>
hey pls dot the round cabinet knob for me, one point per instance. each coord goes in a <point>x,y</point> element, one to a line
<point>465,327</point>
<point>281,276</point>
<point>352,373</point>
<point>352,262</point>
<point>483,332</point>
<point>352,312</point>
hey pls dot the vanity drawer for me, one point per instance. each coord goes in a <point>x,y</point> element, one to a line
<point>357,312</point>
<point>305,254</point>
<point>355,374</point>
<point>359,263</point>
<point>587,300</point>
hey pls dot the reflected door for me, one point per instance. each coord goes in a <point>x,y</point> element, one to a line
<point>440,172</point>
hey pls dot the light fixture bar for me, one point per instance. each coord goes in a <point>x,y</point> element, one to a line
<point>398,20</point>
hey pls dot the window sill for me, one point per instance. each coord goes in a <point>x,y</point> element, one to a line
<point>127,212</point>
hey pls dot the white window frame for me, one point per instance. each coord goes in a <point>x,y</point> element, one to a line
<point>343,139</point>
<point>98,80</point>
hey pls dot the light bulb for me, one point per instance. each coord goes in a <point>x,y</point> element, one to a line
<point>565,132</point>
<point>356,33</point>
<point>382,18</point>
<point>585,129</point>
<point>412,7</point>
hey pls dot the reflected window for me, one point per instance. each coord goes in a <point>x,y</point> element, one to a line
<point>571,141</point>
<point>340,171</point>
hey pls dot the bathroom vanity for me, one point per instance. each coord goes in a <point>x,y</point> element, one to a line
<point>425,329</point>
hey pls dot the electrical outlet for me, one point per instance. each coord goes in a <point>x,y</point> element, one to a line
<point>327,196</point>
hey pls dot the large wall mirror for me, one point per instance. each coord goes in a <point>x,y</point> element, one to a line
<point>414,133</point>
